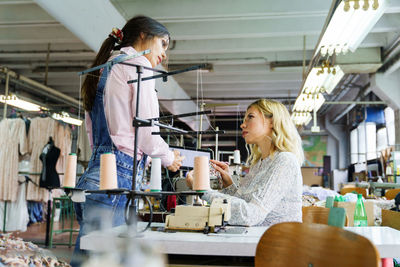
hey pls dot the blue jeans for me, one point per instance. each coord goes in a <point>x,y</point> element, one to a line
<point>101,211</point>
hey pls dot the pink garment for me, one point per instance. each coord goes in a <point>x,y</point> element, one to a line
<point>120,107</point>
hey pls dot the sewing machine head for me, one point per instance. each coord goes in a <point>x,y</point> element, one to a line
<point>200,218</point>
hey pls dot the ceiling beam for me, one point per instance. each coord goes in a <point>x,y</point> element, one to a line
<point>177,10</point>
<point>23,13</point>
<point>262,44</point>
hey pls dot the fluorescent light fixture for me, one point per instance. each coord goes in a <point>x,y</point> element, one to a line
<point>13,100</point>
<point>308,102</point>
<point>300,118</point>
<point>350,23</point>
<point>65,117</point>
<point>319,80</point>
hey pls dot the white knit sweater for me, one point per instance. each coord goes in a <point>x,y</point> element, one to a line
<point>270,193</point>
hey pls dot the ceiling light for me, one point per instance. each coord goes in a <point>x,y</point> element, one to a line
<point>322,80</point>
<point>300,118</point>
<point>65,117</point>
<point>308,102</point>
<point>349,25</point>
<point>13,100</point>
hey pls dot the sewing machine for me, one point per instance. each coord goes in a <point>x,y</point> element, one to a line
<point>200,218</point>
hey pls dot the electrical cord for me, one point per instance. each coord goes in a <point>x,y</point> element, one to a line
<point>127,221</point>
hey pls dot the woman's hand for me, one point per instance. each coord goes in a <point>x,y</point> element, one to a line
<point>177,163</point>
<point>223,169</point>
<point>189,179</point>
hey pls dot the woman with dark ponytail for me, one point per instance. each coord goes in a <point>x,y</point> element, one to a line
<point>110,104</point>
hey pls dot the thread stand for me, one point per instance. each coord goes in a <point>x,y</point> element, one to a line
<point>133,194</point>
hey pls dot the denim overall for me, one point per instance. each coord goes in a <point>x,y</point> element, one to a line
<point>100,211</point>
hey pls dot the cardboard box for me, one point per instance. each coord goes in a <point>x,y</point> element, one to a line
<point>391,218</point>
<point>350,207</point>
<point>359,176</point>
<point>311,176</point>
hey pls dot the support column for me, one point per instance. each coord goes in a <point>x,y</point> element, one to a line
<point>397,129</point>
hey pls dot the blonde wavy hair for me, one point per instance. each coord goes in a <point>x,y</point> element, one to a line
<point>285,137</point>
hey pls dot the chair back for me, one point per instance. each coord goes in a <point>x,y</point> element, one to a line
<point>359,190</point>
<point>392,193</point>
<point>314,214</point>
<point>333,216</point>
<point>307,244</point>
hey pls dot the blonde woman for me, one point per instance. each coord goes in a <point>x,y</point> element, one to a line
<point>271,192</point>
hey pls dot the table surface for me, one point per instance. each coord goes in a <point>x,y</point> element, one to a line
<point>386,239</point>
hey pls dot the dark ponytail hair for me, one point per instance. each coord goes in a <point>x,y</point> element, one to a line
<point>131,35</point>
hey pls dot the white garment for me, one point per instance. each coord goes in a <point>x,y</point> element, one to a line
<point>17,216</point>
<point>13,142</point>
<point>270,193</point>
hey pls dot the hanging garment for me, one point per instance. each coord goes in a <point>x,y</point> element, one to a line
<point>35,210</point>
<point>39,132</point>
<point>49,178</point>
<point>13,142</point>
<point>62,140</point>
<point>85,151</point>
<point>17,216</point>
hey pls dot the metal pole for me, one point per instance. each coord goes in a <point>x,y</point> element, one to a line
<point>46,74</point>
<point>201,126</point>
<point>216,144</point>
<point>304,57</point>
<point>132,206</point>
<point>6,95</point>
<point>315,112</point>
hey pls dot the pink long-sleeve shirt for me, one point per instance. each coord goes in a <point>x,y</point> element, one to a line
<point>120,108</point>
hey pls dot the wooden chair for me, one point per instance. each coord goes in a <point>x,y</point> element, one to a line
<point>392,193</point>
<point>313,214</point>
<point>358,190</point>
<point>307,244</point>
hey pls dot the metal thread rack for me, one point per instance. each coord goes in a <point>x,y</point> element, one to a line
<point>130,212</point>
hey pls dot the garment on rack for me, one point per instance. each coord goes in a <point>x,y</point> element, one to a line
<point>49,177</point>
<point>85,151</point>
<point>35,210</point>
<point>17,216</point>
<point>40,131</point>
<point>13,142</point>
<point>62,140</point>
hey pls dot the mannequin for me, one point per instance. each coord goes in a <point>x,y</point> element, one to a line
<point>49,178</point>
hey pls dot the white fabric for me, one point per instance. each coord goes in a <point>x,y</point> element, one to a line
<point>13,141</point>
<point>17,216</point>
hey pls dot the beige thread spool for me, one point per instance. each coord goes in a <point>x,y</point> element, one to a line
<point>201,179</point>
<point>108,171</point>
<point>155,175</point>
<point>70,171</point>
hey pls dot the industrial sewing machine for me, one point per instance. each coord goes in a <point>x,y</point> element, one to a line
<point>200,218</point>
